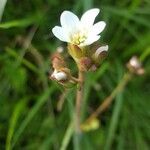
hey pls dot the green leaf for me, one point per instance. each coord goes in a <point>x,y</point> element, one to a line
<point>13,121</point>
<point>2,6</point>
<point>42,99</point>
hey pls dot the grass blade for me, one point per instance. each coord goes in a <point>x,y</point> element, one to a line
<point>13,121</point>
<point>2,7</point>
<point>32,113</point>
<point>67,136</point>
<point>114,122</point>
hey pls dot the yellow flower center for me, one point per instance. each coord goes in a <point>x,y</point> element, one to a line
<point>78,38</point>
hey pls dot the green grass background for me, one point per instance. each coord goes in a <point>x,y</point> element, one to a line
<point>29,119</point>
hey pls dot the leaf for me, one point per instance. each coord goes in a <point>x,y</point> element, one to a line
<point>2,6</point>
<point>13,121</point>
<point>19,23</point>
<point>42,99</point>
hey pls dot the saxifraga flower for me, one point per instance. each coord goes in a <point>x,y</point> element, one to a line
<point>81,32</point>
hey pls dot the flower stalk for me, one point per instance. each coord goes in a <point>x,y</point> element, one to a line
<point>134,68</point>
<point>79,97</point>
<point>108,100</point>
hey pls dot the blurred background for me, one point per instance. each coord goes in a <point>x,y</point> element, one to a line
<point>29,115</point>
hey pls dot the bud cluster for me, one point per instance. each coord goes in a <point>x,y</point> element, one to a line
<point>61,73</point>
<point>87,59</point>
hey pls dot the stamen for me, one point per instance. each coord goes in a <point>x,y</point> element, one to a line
<point>78,38</point>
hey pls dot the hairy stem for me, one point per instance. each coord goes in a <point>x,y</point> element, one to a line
<point>79,98</point>
<point>108,100</point>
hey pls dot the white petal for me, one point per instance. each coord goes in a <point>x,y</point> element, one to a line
<point>91,39</point>
<point>60,33</point>
<point>60,76</point>
<point>101,49</point>
<point>69,20</point>
<point>89,16</point>
<point>98,27</point>
<point>53,74</point>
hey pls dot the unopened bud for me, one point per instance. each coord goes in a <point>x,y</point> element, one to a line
<point>60,49</point>
<point>101,51</point>
<point>90,125</point>
<point>85,63</point>
<point>59,76</point>
<point>57,61</point>
<point>134,65</point>
<point>134,62</point>
<point>100,54</point>
<point>93,68</point>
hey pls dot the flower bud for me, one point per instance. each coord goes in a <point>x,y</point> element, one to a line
<point>85,63</point>
<point>61,72</point>
<point>57,61</point>
<point>100,54</point>
<point>59,75</point>
<point>135,66</point>
<point>90,125</point>
<point>60,49</point>
<point>93,68</point>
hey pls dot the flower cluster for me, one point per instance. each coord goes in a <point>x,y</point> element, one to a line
<point>82,36</point>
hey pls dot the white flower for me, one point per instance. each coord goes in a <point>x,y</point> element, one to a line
<point>81,32</point>
<point>60,76</point>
